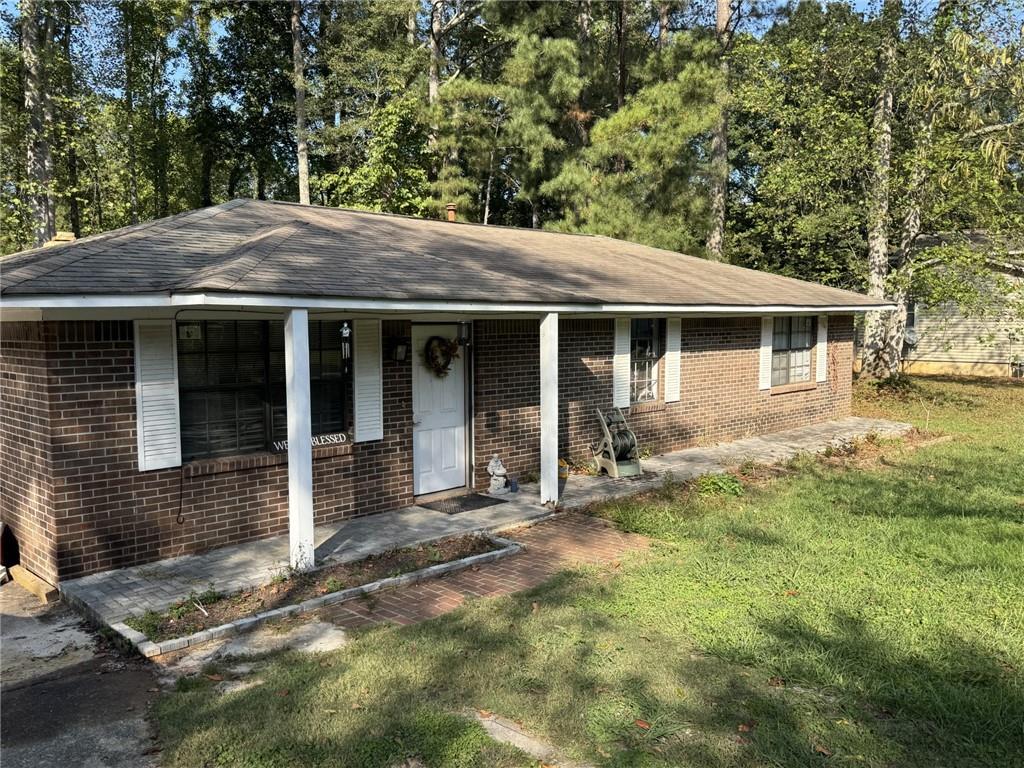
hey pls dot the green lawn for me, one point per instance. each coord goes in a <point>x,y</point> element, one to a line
<point>867,614</point>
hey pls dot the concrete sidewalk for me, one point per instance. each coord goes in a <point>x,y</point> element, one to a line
<point>111,596</point>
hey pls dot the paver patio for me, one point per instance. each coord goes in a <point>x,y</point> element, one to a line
<point>548,547</point>
<point>110,596</point>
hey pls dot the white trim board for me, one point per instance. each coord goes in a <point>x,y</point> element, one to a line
<point>237,300</point>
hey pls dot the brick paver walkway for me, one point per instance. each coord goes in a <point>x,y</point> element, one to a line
<point>548,547</point>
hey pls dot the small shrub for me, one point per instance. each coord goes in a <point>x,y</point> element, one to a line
<point>802,462</point>
<point>748,467</point>
<point>333,585</point>
<point>719,485</point>
<point>148,623</point>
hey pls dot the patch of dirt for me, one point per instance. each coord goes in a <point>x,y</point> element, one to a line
<point>186,617</point>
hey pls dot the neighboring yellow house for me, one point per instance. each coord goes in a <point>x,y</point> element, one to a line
<point>942,341</point>
<point>949,343</point>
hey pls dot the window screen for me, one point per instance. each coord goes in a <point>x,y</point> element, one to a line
<point>644,352</point>
<point>232,383</point>
<point>792,340</point>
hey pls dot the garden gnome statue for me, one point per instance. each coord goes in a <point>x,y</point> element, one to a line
<point>497,472</point>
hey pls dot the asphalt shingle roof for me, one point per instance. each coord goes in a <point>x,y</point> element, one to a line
<point>264,247</point>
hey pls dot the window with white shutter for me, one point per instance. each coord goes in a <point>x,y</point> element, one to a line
<point>620,364</point>
<point>821,350</point>
<point>368,397</point>
<point>673,340</point>
<point>156,395</point>
<point>764,378</point>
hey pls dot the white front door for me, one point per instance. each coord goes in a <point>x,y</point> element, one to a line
<point>438,416</point>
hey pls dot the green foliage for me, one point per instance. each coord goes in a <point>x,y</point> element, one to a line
<point>392,176</point>
<point>719,484</point>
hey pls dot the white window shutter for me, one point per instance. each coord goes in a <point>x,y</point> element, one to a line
<point>158,421</point>
<point>367,377</point>
<point>764,378</point>
<point>821,350</point>
<point>673,333</point>
<point>620,364</point>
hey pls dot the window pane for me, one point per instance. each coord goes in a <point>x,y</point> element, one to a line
<point>780,337</point>
<point>645,336</point>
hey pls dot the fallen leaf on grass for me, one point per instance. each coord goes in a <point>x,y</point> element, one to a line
<point>776,682</point>
<point>485,714</point>
<point>642,724</point>
<point>283,692</point>
<point>215,678</point>
<point>356,705</point>
<point>792,592</point>
<point>746,727</point>
<point>822,750</point>
<point>743,740</point>
<point>535,606</point>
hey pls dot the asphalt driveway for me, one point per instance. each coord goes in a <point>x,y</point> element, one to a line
<point>68,698</point>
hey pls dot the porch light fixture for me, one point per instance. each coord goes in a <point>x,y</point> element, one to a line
<point>398,354</point>
<point>465,335</point>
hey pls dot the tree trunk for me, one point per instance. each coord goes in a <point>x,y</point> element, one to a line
<point>49,28</point>
<point>487,189</point>
<point>37,156</point>
<point>410,24</point>
<point>97,199</point>
<point>715,243</point>
<point>434,71</point>
<point>300,102</point>
<point>534,214</point>
<point>74,211</point>
<point>880,359</point>
<point>160,153</point>
<point>261,182</point>
<point>620,29</point>
<point>127,20</point>
<point>663,9</point>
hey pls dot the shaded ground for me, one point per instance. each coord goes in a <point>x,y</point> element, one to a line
<point>67,700</point>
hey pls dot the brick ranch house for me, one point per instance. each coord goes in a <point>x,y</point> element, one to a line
<point>258,368</point>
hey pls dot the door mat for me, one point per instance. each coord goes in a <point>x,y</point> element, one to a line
<point>467,503</point>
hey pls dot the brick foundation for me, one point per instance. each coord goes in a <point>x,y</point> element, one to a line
<point>77,503</point>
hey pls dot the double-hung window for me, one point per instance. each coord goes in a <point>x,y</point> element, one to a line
<point>644,353</point>
<point>232,384</point>
<point>792,341</point>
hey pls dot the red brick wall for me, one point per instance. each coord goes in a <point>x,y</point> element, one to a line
<point>106,514</point>
<point>506,395</point>
<point>719,396</point>
<point>78,504</point>
<point>26,483</point>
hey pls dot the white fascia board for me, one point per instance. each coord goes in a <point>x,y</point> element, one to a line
<point>238,300</point>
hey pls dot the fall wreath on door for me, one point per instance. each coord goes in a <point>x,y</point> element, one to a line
<point>438,354</point>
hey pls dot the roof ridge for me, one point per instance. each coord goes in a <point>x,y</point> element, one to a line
<point>410,217</point>
<point>265,241</point>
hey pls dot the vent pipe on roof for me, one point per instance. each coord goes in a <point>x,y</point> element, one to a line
<point>451,211</point>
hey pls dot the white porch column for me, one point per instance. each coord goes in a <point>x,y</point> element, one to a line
<point>300,445</point>
<point>549,408</point>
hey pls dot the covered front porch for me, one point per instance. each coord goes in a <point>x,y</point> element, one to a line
<point>112,595</point>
